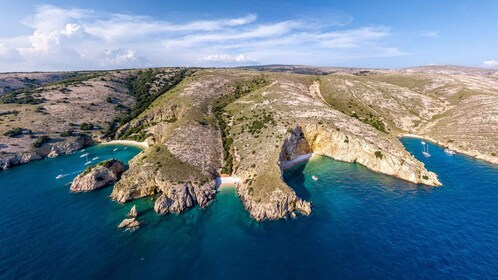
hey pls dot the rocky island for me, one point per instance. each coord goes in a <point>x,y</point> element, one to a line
<point>98,176</point>
<point>249,123</point>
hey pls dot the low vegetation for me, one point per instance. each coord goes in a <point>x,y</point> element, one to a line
<point>139,87</point>
<point>40,141</point>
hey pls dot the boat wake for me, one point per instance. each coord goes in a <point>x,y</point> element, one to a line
<point>60,176</point>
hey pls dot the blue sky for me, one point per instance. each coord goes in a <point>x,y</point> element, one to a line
<point>76,35</point>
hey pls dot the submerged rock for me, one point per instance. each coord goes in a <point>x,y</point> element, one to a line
<point>97,176</point>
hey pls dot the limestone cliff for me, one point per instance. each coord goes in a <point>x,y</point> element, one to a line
<point>98,176</point>
<point>381,154</point>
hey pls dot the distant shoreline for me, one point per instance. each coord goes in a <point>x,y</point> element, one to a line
<point>142,145</point>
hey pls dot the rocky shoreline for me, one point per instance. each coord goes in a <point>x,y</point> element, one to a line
<point>50,150</point>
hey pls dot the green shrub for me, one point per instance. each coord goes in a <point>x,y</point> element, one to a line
<point>67,133</point>
<point>86,126</point>
<point>13,132</point>
<point>378,154</point>
<point>40,141</point>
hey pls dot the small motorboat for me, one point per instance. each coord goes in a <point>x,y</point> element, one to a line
<point>59,176</point>
<point>423,142</point>
<point>449,152</point>
<point>115,149</point>
<point>84,155</point>
<point>314,178</point>
<point>95,158</point>
<point>88,162</point>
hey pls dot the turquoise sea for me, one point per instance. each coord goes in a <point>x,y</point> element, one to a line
<point>364,226</point>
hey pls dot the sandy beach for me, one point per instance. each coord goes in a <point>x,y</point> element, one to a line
<point>227,181</point>
<point>287,164</point>
<point>142,145</point>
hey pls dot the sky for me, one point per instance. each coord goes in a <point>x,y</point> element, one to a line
<point>111,34</point>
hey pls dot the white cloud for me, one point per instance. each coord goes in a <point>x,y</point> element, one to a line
<point>122,58</point>
<point>490,63</point>
<point>228,59</point>
<point>3,49</point>
<point>73,39</point>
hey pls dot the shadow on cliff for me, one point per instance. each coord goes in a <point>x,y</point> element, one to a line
<point>294,177</point>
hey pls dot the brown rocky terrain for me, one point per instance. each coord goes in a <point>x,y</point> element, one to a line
<point>13,81</point>
<point>69,114</point>
<point>252,123</point>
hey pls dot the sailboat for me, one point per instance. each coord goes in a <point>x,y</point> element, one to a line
<point>426,151</point>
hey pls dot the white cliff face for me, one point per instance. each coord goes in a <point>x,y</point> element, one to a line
<point>98,176</point>
<point>384,155</point>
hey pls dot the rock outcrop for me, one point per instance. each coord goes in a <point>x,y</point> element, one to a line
<point>97,176</point>
<point>130,224</point>
<point>178,198</point>
<point>133,212</point>
<point>279,204</point>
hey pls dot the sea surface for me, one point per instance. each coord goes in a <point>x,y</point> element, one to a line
<point>364,226</point>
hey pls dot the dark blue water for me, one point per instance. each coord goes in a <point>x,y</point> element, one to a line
<point>364,225</point>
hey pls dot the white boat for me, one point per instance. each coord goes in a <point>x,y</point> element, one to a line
<point>449,152</point>
<point>125,148</point>
<point>314,178</point>
<point>115,149</point>
<point>59,176</point>
<point>426,151</point>
<point>423,142</point>
<point>84,155</point>
<point>95,158</point>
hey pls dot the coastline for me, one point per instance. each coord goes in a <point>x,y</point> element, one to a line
<point>142,145</point>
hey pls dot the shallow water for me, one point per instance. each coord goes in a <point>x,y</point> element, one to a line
<point>364,225</point>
